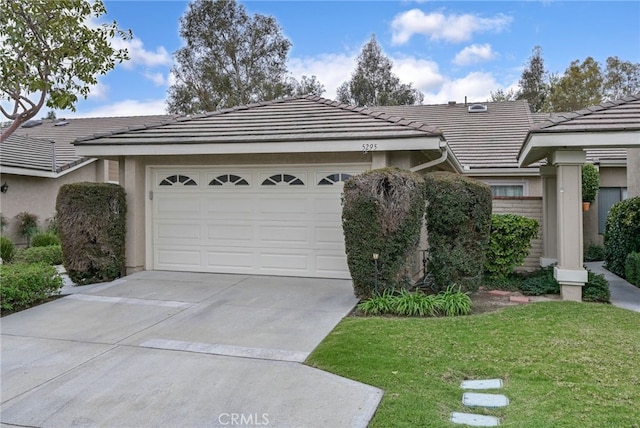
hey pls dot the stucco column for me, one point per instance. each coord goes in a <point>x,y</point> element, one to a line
<point>633,172</point>
<point>102,171</point>
<point>569,271</point>
<point>549,215</point>
<point>132,178</point>
<point>379,160</point>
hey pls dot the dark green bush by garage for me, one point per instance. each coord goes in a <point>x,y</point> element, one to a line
<point>622,234</point>
<point>91,223</point>
<point>50,255</point>
<point>632,268</point>
<point>458,217</point>
<point>382,214</point>
<point>24,285</point>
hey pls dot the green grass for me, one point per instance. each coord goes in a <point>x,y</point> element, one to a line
<point>564,364</point>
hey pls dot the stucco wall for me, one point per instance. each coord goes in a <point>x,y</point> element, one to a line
<point>530,207</point>
<point>633,172</point>
<point>37,196</point>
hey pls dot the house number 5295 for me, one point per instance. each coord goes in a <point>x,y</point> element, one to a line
<point>366,148</point>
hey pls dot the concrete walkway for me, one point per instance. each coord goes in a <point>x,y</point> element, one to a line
<point>168,349</point>
<point>623,294</point>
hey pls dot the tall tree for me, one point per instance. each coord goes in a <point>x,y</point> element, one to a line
<point>533,87</point>
<point>373,84</point>
<point>230,58</point>
<point>580,86</point>
<point>502,95</point>
<point>620,78</point>
<point>308,86</point>
<point>49,55</point>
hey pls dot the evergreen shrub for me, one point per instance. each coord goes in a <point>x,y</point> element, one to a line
<point>50,255</point>
<point>632,268</point>
<point>24,285</point>
<point>382,214</point>
<point>45,239</point>
<point>622,234</point>
<point>91,223</point>
<point>7,249</point>
<point>509,243</point>
<point>458,217</point>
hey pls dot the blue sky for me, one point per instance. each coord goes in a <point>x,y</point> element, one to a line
<point>448,50</point>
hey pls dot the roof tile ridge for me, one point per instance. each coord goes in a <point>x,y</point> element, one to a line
<point>128,129</point>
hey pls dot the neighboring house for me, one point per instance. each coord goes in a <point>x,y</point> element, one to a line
<point>38,158</point>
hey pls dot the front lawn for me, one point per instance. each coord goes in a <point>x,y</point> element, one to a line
<point>563,364</point>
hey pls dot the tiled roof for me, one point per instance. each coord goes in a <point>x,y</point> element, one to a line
<point>307,118</point>
<point>618,115</point>
<point>31,148</point>
<point>489,139</point>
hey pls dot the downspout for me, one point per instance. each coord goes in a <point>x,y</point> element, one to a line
<point>442,158</point>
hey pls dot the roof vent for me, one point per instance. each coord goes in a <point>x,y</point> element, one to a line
<point>452,103</point>
<point>477,108</point>
<point>61,123</point>
<point>31,123</point>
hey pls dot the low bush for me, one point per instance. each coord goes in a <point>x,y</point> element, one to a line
<point>593,253</point>
<point>27,225</point>
<point>418,304</point>
<point>7,249</point>
<point>50,255</point>
<point>540,282</point>
<point>596,289</point>
<point>45,239</point>
<point>24,285</point>
<point>509,243</point>
<point>622,234</point>
<point>632,268</point>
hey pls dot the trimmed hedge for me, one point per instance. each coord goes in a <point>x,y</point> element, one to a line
<point>542,282</point>
<point>91,223</point>
<point>7,249</point>
<point>458,217</point>
<point>50,255</point>
<point>24,285</point>
<point>382,214</point>
<point>509,244</point>
<point>622,234</point>
<point>596,289</point>
<point>632,268</point>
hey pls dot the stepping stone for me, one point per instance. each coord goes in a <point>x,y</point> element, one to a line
<point>474,399</point>
<point>481,384</point>
<point>470,419</point>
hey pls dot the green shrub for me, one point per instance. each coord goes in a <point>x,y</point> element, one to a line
<point>632,268</point>
<point>590,182</point>
<point>593,253</point>
<point>7,249</point>
<point>27,225</point>
<point>622,234</point>
<point>91,224</point>
<point>24,285</point>
<point>458,218</point>
<point>540,282</point>
<point>44,239</point>
<point>509,244</point>
<point>596,289</point>
<point>50,255</point>
<point>382,214</point>
<point>418,304</point>
<point>3,222</point>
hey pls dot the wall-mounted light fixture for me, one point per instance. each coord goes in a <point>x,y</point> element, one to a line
<point>4,187</point>
<point>376,256</point>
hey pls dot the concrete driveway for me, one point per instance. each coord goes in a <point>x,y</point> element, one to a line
<point>168,349</point>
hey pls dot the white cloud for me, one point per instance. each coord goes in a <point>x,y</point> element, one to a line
<point>438,26</point>
<point>476,86</point>
<point>475,54</point>
<point>140,56</point>
<point>125,108</point>
<point>158,78</point>
<point>424,74</point>
<point>330,69</point>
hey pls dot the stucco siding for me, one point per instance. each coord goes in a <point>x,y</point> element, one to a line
<point>37,196</point>
<point>609,177</point>
<point>633,172</point>
<point>530,207</point>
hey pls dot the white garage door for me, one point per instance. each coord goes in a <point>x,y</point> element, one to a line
<point>276,221</point>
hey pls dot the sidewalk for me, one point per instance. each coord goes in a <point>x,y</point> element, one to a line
<point>623,294</point>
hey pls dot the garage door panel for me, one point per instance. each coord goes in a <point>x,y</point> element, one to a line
<point>326,235</point>
<point>218,260</point>
<point>282,206</point>
<point>184,205</point>
<point>178,257</point>
<point>331,265</point>
<point>173,232</point>
<point>230,232</point>
<point>286,261</point>
<point>225,207</point>
<point>283,234</point>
